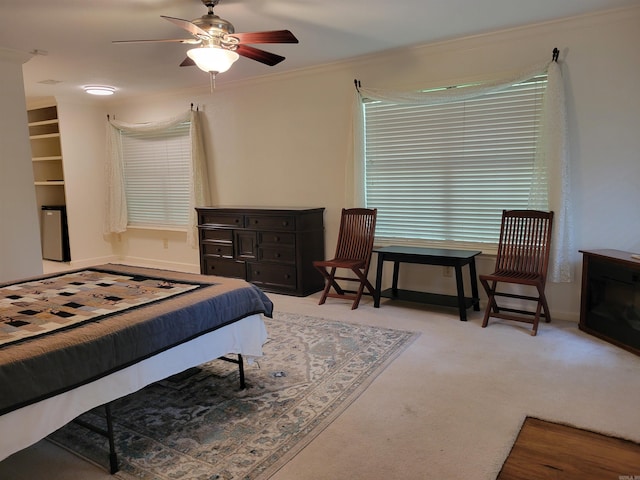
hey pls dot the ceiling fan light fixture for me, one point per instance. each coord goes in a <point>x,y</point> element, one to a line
<point>213,59</point>
<point>99,90</point>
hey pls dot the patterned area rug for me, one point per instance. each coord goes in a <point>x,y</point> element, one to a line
<point>199,425</point>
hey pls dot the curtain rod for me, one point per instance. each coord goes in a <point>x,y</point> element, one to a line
<point>554,58</point>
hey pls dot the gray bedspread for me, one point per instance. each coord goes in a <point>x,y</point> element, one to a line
<point>45,366</point>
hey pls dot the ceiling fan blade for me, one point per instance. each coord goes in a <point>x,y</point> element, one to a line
<point>187,25</point>
<point>275,36</point>
<point>258,55</point>
<point>191,41</point>
<point>187,62</point>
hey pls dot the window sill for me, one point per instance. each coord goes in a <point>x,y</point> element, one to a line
<point>157,228</point>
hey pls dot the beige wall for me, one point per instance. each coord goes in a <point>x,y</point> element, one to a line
<point>284,140</point>
<point>83,160</point>
<point>20,251</point>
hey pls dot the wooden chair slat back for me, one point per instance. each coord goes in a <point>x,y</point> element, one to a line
<point>525,241</point>
<point>356,235</point>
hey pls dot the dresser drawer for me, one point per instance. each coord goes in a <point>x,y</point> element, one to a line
<point>217,250</point>
<point>224,268</point>
<point>210,235</point>
<point>268,222</point>
<point>276,254</point>
<point>270,275</point>
<point>220,219</point>
<point>276,238</point>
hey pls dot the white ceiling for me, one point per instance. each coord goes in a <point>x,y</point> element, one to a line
<point>75,36</point>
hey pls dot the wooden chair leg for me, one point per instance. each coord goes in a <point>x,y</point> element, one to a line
<point>487,312</point>
<point>328,281</point>
<point>545,306</point>
<point>536,318</point>
<point>364,283</point>
<point>491,301</point>
<point>356,300</point>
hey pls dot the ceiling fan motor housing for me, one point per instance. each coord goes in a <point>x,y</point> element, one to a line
<point>214,25</point>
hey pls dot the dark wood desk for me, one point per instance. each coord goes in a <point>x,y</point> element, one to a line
<point>429,256</point>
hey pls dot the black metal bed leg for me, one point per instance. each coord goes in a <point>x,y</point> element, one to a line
<point>113,456</point>
<point>241,371</point>
<point>108,433</point>
<point>240,364</point>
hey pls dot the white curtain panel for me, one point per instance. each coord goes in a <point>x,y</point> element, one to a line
<point>550,187</point>
<point>199,191</point>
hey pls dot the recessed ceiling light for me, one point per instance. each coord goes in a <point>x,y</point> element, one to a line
<point>99,90</point>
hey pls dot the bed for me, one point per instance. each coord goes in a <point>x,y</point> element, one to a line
<point>76,340</point>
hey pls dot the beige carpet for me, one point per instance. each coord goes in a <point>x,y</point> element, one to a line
<point>449,407</point>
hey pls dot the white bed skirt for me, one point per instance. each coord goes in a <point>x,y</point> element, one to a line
<point>26,426</point>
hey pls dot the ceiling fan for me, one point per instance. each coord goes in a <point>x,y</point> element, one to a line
<point>219,44</point>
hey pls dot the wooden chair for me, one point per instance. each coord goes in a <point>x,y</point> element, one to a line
<point>523,259</point>
<point>353,253</point>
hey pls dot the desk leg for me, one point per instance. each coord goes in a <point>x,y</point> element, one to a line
<point>474,285</point>
<point>460,290</point>
<point>396,273</point>
<point>376,294</point>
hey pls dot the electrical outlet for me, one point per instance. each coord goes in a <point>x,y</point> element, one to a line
<point>165,243</point>
<point>447,271</point>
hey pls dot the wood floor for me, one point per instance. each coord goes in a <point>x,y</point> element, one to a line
<point>545,450</point>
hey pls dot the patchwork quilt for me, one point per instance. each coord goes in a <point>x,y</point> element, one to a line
<point>41,307</point>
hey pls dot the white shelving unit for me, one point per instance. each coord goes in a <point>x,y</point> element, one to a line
<point>46,158</point>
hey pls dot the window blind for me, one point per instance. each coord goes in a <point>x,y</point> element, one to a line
<point>444,173</point>
<point>156,171</point>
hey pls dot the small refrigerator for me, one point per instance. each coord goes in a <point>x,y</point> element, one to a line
<point>55,233</point>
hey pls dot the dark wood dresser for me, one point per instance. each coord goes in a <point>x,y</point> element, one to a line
<point>610,307</point>
<point>272,248</point>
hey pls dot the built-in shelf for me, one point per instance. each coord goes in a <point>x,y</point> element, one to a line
<point>50,183</point>
<point>44,135</point>
<point>53,121</point>
<point>47,159</point>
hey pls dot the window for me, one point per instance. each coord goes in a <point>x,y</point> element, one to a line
<point>442,174</point>
<point>156,176</point>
